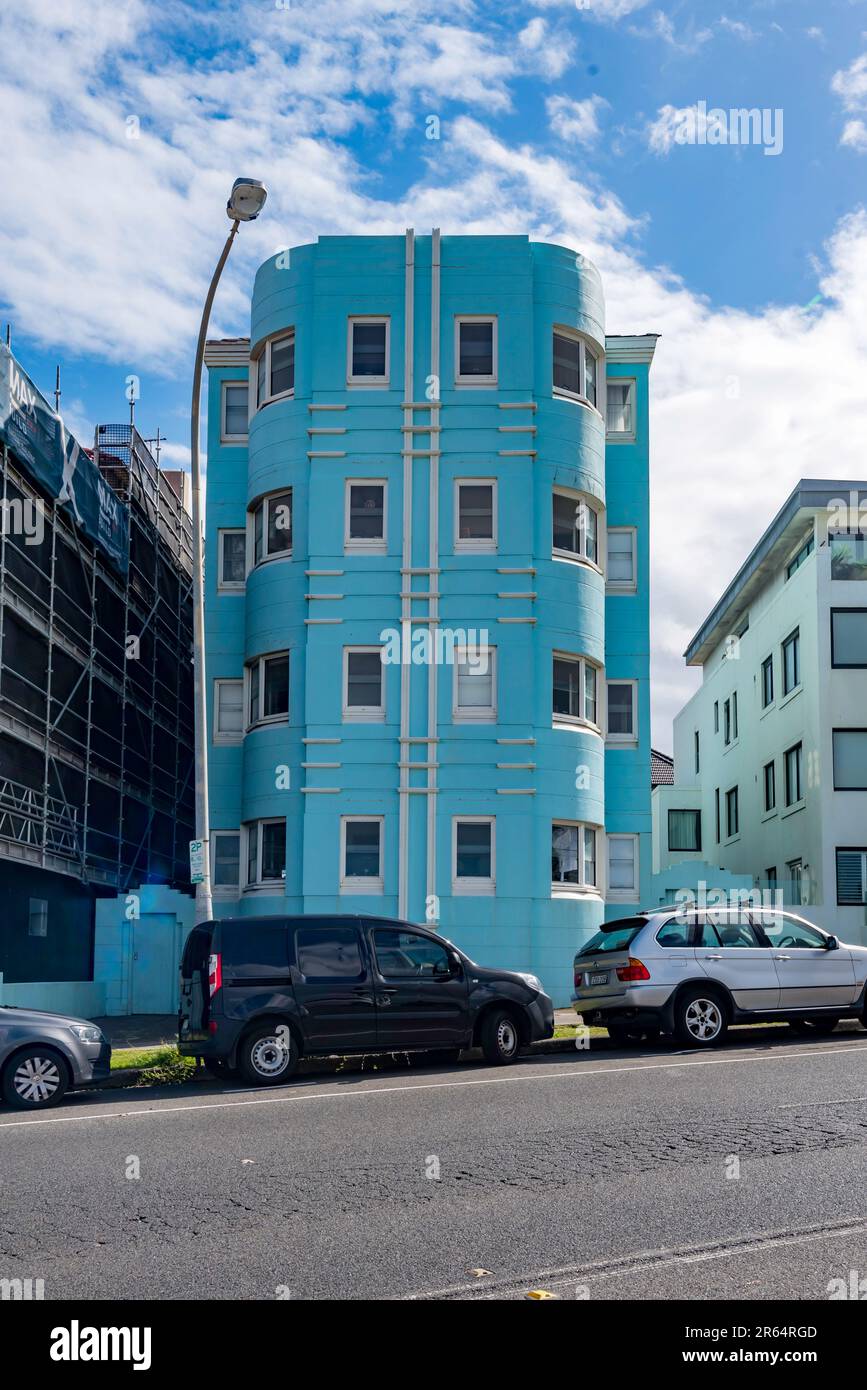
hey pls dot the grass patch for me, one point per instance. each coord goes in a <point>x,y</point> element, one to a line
<point>159,1064</point>
<point>568,1030</point>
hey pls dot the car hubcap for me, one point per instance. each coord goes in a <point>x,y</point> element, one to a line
<point>37,1079</point>
<point>270,1056</point>
<point>703,1019</point>
<point>507,1038</point>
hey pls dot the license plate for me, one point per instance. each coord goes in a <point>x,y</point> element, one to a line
<point>600,979</point>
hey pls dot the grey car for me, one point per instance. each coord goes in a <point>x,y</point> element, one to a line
<point>43,1055</point>
<point>693,973</point>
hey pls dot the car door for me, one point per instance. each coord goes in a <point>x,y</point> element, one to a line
<point>810,976</point>
<point>729,949</point>
<point>421,990</point>
<point>333,985</point>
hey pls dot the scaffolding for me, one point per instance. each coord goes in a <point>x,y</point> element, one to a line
<point>96,707</point>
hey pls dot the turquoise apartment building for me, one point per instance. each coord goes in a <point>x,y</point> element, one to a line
<point>427,606</point>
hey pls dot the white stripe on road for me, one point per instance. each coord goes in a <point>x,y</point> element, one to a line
<point>575,1075</point>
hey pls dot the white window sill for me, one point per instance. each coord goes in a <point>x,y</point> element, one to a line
<point>574,890</point>
<point>267,723</point>
<point>269,400</point>
<point>360,547</point>
<point>617,438</point>
<point>574,721</point>
<point>769,815</point>
<point>475,547</point>
<point>231,588</point>
<point>268,886</point>
<point>621,741</point>
<point>791,695</point>
<point>767,709</point>
<point>227,740</point>
<point>465,716</point>
<point>486,382</point>
<point>363,716</point>
<point>223,891</point>
<point>572,557</point>
<point>732,839</point>
<point>560,394</point>
<point>234,441</point>
<point>619,586</point>
<point>794,808</point>
<point>271,559</point>
<point>622,895</point>
<point>378,383</point>
<point>471,888</point>
<point>372,887</point>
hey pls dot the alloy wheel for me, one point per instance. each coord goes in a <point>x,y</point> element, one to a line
<point>37,1079</point>
<point>703,1019</point>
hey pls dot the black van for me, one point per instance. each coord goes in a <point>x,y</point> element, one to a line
<point>257,993</point>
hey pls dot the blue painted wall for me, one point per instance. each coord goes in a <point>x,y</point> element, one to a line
<point>530,287</point>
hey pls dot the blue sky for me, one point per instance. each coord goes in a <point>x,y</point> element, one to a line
<point>125,122</point>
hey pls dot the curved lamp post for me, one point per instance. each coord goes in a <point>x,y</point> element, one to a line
<point>245,203</point>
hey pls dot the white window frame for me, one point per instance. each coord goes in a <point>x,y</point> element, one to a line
<point>474,714</point>
<point>362,714</point>
<point>225,437</point>
<point>579,721</point>
<point>625,895</point>
<point>623,740</point>
<point>221,736</point>
<point>265,350</point>
<point>226,890</point>
<point>474,887</point>
<point>233,586</point>
<point>582,888</point>
<point>622,586</point>
<point>265,502</point>
<point>361,545</point>
<point>584,341</point>
<point>259,882</point>
<point>264,719</point>
<point>472,544</point>
<point>476,380</point>
<point>575,557</point>
<point>374,381</point>
<point>350,883</point>
<point>734,834</point>
<point>622,436</point>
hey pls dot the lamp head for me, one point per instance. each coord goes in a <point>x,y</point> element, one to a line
<point>246,200</point>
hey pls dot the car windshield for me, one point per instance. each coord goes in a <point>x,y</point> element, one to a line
<point>613,936</point>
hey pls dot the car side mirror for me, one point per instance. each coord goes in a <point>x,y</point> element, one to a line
<point>832,943</point>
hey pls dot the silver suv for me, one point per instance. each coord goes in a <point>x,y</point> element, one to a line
<point>43,1055</point>
<point>692,973</point>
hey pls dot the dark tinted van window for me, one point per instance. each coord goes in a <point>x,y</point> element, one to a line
<point>613,936</point>
<point>328,953</point>
<point>196,951</point>
<point>254,947</point>
<point>406,954</point>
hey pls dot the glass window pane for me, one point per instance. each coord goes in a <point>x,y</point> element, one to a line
<point>791,662</point>
<point>849,636</point>
<point>230,707</point>
<point>252,852</point>
<point>684,830</point>
<point>406,955</point>
<point>566,524</point>
<point>621,568</point>
<point>589,857</point>
<point>261,393</point>
<point>368,349</point>
<point>362,849</point>
<point>852,876</point>
<point>227,860</point>
<point>280,523</point>
<point>849,556</point>
<point>282,366</point>
<point>590,693</point>
<point>567,687</point>
<point>366,511</point>
<point>258,523</point>
<point>590,375</point>
<point>276,673</point>
<point>621,862</point>
<point>328,953</point>
<point>476,349</point>
<point>850,759</point>
<point>567,364</point>
<point>476,511</point>
<point>620,709</point>
<point>589,524</point>
<point>564,854</point>
<point>363,680</point>
<point>619,407</point>
<point>254,693</point>
<point>473,852</point>
<point>233,557</point>
<point>475,681</point>
<point>274,850</point>
<point>235,401</point>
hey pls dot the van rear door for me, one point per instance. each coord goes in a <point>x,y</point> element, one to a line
<point>194,1004</point>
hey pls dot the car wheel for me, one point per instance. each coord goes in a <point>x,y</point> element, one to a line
<point>699,1018</point>
<point>219,1069</point>
<point>500,1040</point>
<point>35,1079</point>
<point>817,1027</point>
<point>268,1055</point>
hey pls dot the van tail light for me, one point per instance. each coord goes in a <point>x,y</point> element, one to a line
<point>576,976</point>
<point>215,974</point>
<point>635,970</point>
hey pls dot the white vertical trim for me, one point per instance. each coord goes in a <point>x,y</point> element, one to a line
<point>433,603</point>
<point>405,622</point>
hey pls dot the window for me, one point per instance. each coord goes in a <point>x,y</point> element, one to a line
<point>363,684</point>
<point>233,559</point>
<point>573,856</point>
<point>235,408</point>
<point>365,514</point>
<point>767,682</point>
<point>771,876</point>
<point>474,696</point>
<point>734,715</point>
<point>574,694</point>
<point>227,859</point>
<point>575,367</point>
<point>268,688</point>
<point>329,953</point>
<point>769,775</point>
<point>684,830</point>
<point>266,852</point>
<point>796,563</point>
<point>405,955</point>
<point>792,760</point>
<point>275,369</point>
<point>795,871</point>
<point>732,813</point>
<point>475,514</point>
<point>696,740</point>
<point>849,637</point>
<point>575,527</point>
<point>792,662</point>
<point>622,699</point>
<point>716,716</point>
<point>37,917</point>
<point>852,877</point>
<point>473,854</point>
<point>361,854</point>
<point>622,867</point>
<point>675,934</point>
<point>716,804</point>
<point>475,350</point>
<point>620,407</point>
<point>368,352</point>
<point>727,722</point>
<point>850,760</point>
<point>790,933</point>
<point>717,929</point>
<point>848,555</point>
<point>271,521</point>
<point>228,711</point>
<point>621,567</point>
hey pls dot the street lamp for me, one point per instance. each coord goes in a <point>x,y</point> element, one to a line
<point>245,203</point>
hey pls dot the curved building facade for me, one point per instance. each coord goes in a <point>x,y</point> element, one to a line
<point>426,590</point>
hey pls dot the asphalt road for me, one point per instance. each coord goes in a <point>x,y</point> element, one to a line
<point>652,1173</point>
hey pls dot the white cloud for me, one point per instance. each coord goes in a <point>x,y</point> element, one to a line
<point>855,135</point>
<point>850,84</point>
<point>604,10</point>
<point>737,28</point>
<point>575,120</point>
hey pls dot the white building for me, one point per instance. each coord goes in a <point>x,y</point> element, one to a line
<point>771,752</point>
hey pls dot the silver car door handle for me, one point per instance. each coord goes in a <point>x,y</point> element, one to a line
<point>782,957</point>
<point>713,957</point>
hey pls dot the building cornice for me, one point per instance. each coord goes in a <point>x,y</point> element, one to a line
<point>227,352</point>
<point>630,347</point>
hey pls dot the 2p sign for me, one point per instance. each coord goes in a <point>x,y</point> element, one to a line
<point>197,861</point>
